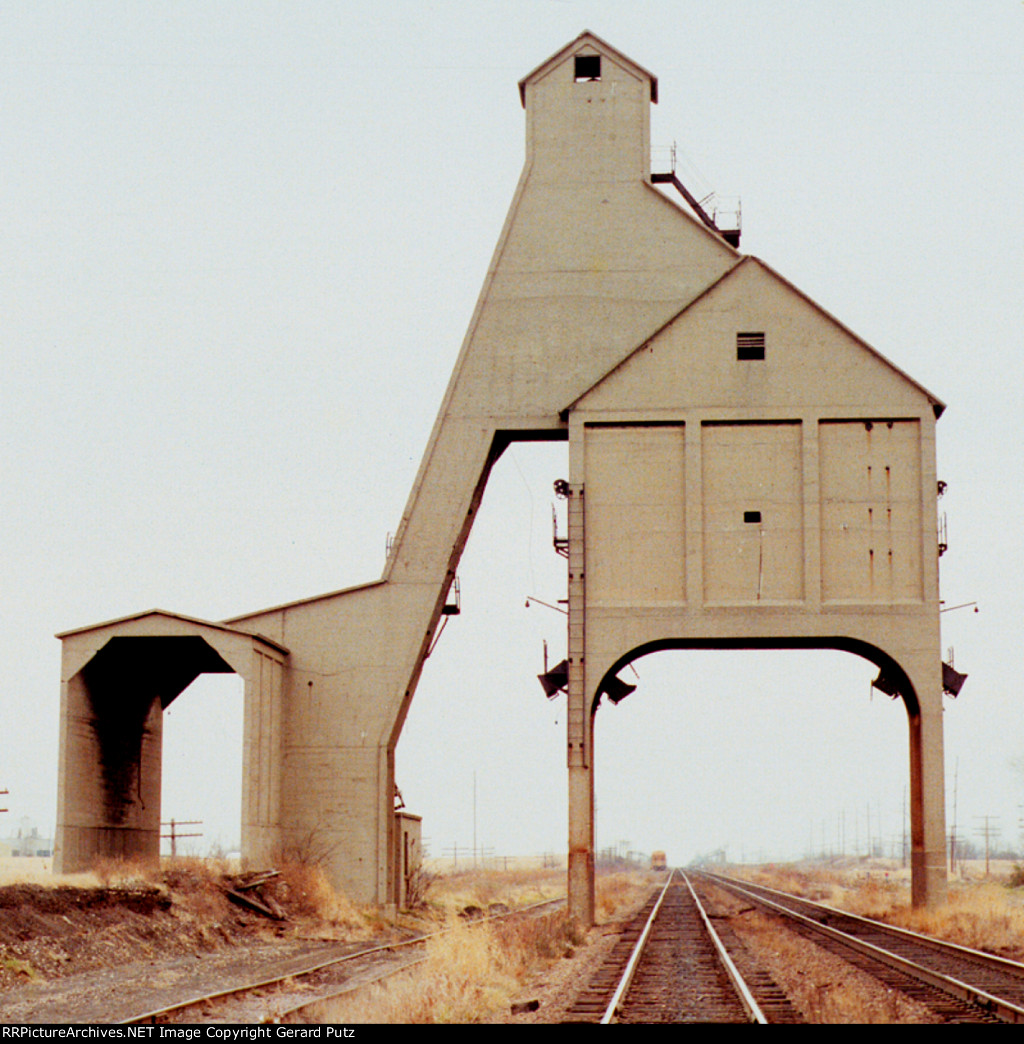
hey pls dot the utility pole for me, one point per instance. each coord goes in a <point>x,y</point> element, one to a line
<point>903,850</point>
<point>987,830</point>
<point>454,850</point>
<point>175,833</point>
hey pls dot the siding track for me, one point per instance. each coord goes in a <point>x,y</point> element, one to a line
<point>957,983</point>
<point>318,981</point>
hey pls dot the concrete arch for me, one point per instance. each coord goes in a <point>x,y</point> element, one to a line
<point>924,737</point>
<point>888,666</point>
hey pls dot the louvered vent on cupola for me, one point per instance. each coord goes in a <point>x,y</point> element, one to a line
<point>749,346</point>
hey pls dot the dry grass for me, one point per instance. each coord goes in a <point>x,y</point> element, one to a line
<point>307,893</point>
<point>127,873</point>
<point>486,891</point>
<point>449,894</point>
<point>472,972</point>
<point>619,893</point>
<point>475,969</point>
<point>985,915</point>
<point>36,870</point>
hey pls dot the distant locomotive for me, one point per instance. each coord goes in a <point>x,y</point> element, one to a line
<point>658,861</point>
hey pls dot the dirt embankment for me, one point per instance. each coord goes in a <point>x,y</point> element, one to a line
<point>48,932</point>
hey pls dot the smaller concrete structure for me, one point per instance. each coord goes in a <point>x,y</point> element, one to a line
<point>117,678</point>
<point>408,855</point>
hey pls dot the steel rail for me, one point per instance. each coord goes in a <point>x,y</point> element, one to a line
<point>634,959</point>
<point>152,1016</point>
<point>752,1008</point>
<point>387,973</point>
<point>352,987</point>
<point>993,959</point>
<point>1003,1009</point>
<point>746,997</point>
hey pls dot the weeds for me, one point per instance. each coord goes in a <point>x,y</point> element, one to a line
<point>616,893</point>
<point>19,967</point>
<point>977,915</point>
<point>471,973</point>
<point>308,846</point>
<point>305,892</point>
<point>984,915</point>
<point>451,893</point>
<point>417,888</point>
<point>125,873</point>
<point>474,968</point>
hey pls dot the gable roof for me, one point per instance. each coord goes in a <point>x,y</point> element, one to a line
<point>178,618</point>
<point>938,406</point>
<point>587,37</point>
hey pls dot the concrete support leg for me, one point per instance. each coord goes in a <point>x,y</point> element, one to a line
<point>388,877</point>
<point>109,794</point>
<point>339,808</point>
<point>927,810</point>
<point>581,845</point>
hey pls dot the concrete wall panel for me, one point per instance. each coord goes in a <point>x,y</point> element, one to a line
<point>871,511</point>
<point>753,513</point>
<point>635,530</point>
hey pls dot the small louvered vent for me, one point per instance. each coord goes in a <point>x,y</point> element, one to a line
<point>750,346</point>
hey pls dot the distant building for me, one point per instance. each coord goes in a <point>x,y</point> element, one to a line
<point>27,842</point>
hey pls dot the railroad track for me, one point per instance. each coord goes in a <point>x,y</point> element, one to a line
<point>300,988</point>
<point>670,966</point>
<point>957,983</point>
<point>667,966</point>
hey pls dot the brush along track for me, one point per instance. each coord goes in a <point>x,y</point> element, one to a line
<point>668,967</point>
<point>286,990</point>
<point>958,984</point>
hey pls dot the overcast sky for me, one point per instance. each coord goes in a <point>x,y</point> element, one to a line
<point>241,246</point>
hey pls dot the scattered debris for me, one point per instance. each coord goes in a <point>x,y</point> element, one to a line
<point>255,880</point>
<point>247,890</point>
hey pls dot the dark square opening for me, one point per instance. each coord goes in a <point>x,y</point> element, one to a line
<point>588,67</point>
<point>752,516</point>
<point>749,346</point>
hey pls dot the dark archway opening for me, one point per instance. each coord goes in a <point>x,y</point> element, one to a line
<point>154,747</point>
